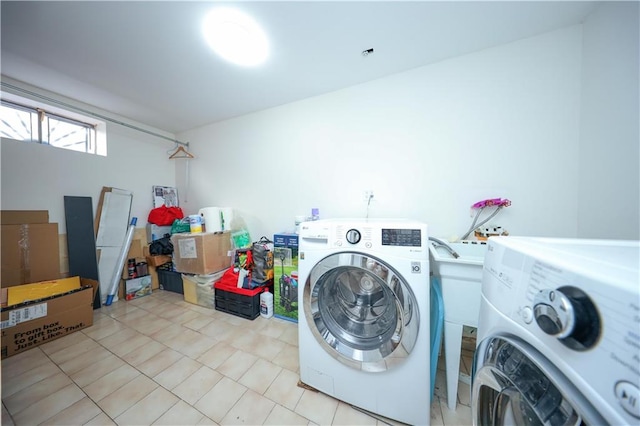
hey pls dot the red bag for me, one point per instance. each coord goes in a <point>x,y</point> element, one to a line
<point>229,279</point>
<point>164,216</point>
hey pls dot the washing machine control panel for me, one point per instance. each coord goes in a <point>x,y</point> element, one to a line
<point>379,237</point>
<point>402,237</point>
<point>353,236</point>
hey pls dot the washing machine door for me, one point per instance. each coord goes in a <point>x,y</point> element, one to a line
<point>361,311</point>
<point>513,384</point>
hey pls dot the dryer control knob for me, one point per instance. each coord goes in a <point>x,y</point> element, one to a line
<point>568,314</point>
<point>353,236</point>
<point>553,312</point>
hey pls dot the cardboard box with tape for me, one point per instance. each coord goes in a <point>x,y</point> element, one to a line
<point>39,316</point>
<point>201,254</point>
<point>30,247</point>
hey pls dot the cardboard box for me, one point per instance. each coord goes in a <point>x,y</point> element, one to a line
<point>136,251</point>
<point>26,292</point>
<point>285,268</point>
<point>201,254</point>
<point>190,291</point>
<point>19,217</point>
<point>137,287</point>
<point>155,232</point>
<point>30,253</point>
<point>31,324</point>
<point>153,273</point>
<point>158,260</point>
<point>152,263</point>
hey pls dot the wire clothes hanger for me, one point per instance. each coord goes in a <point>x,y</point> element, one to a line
<point>181,153</point>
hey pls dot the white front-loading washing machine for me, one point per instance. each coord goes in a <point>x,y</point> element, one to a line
<point>363,322</point>
<point>559,333</point>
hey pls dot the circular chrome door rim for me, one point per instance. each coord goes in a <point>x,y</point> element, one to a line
<point>397,343</point>
<point>491,382</point>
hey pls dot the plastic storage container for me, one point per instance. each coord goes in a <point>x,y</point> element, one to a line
<point>266,304</point>
<point>240,302</point>
<point>170,281</point>
<point>198,289</point>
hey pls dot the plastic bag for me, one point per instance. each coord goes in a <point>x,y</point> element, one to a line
<point>161,246</point>
<point>229,279</point>
<point>180,225</point>
<point>241,239</point>
<point>164,216</point>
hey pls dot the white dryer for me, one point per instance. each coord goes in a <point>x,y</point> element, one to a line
<point>363,323</point>
<point>559,333</point>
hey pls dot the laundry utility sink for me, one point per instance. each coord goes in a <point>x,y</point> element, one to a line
<point>460,277</point>
<point>461,281</point>
<point>470,252</point>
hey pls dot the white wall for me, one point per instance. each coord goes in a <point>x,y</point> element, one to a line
<point>609,202</point>
<point>550,122</point>
<point>429,142</point>
<point>37,177</point>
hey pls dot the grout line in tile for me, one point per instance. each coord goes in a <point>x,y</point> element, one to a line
<point>118,315</point>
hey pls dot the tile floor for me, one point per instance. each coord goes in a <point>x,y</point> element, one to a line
<point>159,360</point>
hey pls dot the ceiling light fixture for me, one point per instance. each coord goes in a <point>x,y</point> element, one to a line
<point>235,36</point>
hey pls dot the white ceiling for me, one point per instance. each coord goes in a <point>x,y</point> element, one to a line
<point>147,61</point>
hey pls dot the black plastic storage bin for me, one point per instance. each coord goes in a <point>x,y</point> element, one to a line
<point>241,305</point>
<point>170,281</point>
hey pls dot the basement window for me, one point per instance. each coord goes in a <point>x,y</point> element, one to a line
<point>24,120</point>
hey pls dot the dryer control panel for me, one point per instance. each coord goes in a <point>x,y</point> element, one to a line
<point>577,302</point>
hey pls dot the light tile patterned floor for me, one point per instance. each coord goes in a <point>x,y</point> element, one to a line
<point>161,361</point>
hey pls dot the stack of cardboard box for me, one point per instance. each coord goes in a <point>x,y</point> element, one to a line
<point>37,305</point>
